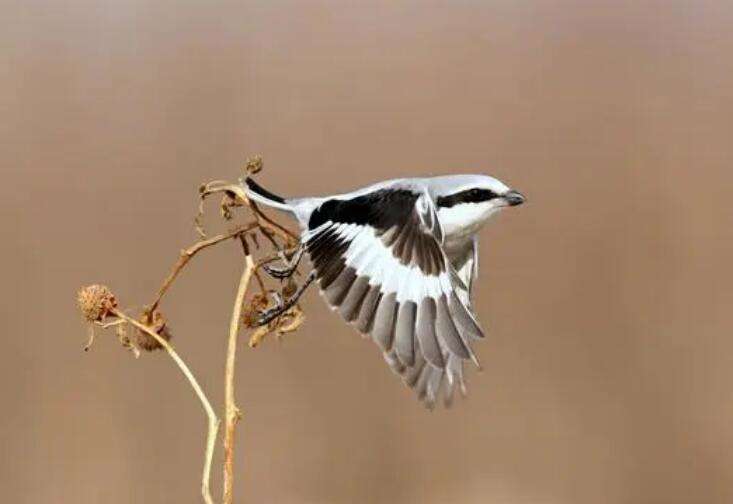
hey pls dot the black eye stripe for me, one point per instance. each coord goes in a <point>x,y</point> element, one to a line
<point>475,195</point>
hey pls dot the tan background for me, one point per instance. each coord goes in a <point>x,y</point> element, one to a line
<point>608,374</point>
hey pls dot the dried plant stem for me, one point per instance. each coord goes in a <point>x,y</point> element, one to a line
<point>99,307</point>
<point>232,414</point>
<point>189,253</point>
<point>266,225</point>
<point>212,418</point>
<point>271,224</point>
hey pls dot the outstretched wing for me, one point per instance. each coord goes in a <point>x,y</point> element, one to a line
<point>380,263</point>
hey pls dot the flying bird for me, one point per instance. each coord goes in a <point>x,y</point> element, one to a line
<point>398,260</point>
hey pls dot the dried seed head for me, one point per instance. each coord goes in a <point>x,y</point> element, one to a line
<point>254,165</point>
<point>290,321</point>
<point>96,302</point>
<point>251,311</point>
<point>157,323</point>
<point>258,335</point>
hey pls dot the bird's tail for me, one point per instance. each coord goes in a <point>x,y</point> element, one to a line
<point>261,195</point>
<point>300,208</point>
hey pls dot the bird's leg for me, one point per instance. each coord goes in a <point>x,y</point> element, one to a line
<point>290,265</point>
<point>281,306</point>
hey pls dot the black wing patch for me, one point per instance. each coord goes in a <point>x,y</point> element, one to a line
<point>380,209</point>
<point>391,213</point>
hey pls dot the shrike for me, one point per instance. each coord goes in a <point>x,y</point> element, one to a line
<point>397,260</point>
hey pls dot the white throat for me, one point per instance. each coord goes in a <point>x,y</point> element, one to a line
<point>462,221</point>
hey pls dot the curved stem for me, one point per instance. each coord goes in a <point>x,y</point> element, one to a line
<point>213,427</point>
<point>187,254</point>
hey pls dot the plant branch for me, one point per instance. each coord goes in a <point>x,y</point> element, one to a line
<point>236,191</point>
<point>99,307</point>
<point>232,414</point>
<point>211,415</point>
<point>271,224</point>
<point>190,252</point>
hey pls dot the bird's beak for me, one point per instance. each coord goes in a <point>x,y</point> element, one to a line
<point>514,198</point>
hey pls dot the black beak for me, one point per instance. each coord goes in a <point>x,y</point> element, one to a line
<point>514,198</point>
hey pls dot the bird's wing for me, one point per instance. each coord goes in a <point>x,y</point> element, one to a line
<point>380,263</point>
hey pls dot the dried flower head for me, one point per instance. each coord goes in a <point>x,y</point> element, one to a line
<point>253,165</point>
<point>158,324</point>
<point>96,302</point>
<point>252,310</point>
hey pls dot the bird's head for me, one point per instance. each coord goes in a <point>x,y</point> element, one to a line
<point>469,200</point>
<point>476,191</point>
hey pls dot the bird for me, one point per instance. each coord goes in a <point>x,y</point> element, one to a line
<point>398,260</point>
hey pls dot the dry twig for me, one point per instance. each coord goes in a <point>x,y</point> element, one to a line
<point>231,411</point>
<point>213,426</point>
<point>190,252</point>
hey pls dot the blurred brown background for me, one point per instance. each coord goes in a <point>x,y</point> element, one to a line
<point>608,374</point>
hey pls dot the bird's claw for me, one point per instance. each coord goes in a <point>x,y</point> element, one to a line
<point>291,264</point>
<point>279,273</point>
<point>267,316</point>
<point>282,305</point>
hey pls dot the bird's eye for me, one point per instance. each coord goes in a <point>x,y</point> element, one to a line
<point>473,195</point>
<point>477,195</point>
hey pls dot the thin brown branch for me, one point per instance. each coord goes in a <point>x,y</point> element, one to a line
<point>236,191</point>
<point>260,282</point>
<point>271,224</point>
<point>213,427</point>
<point>190,252</point>
<point>232,414</point>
